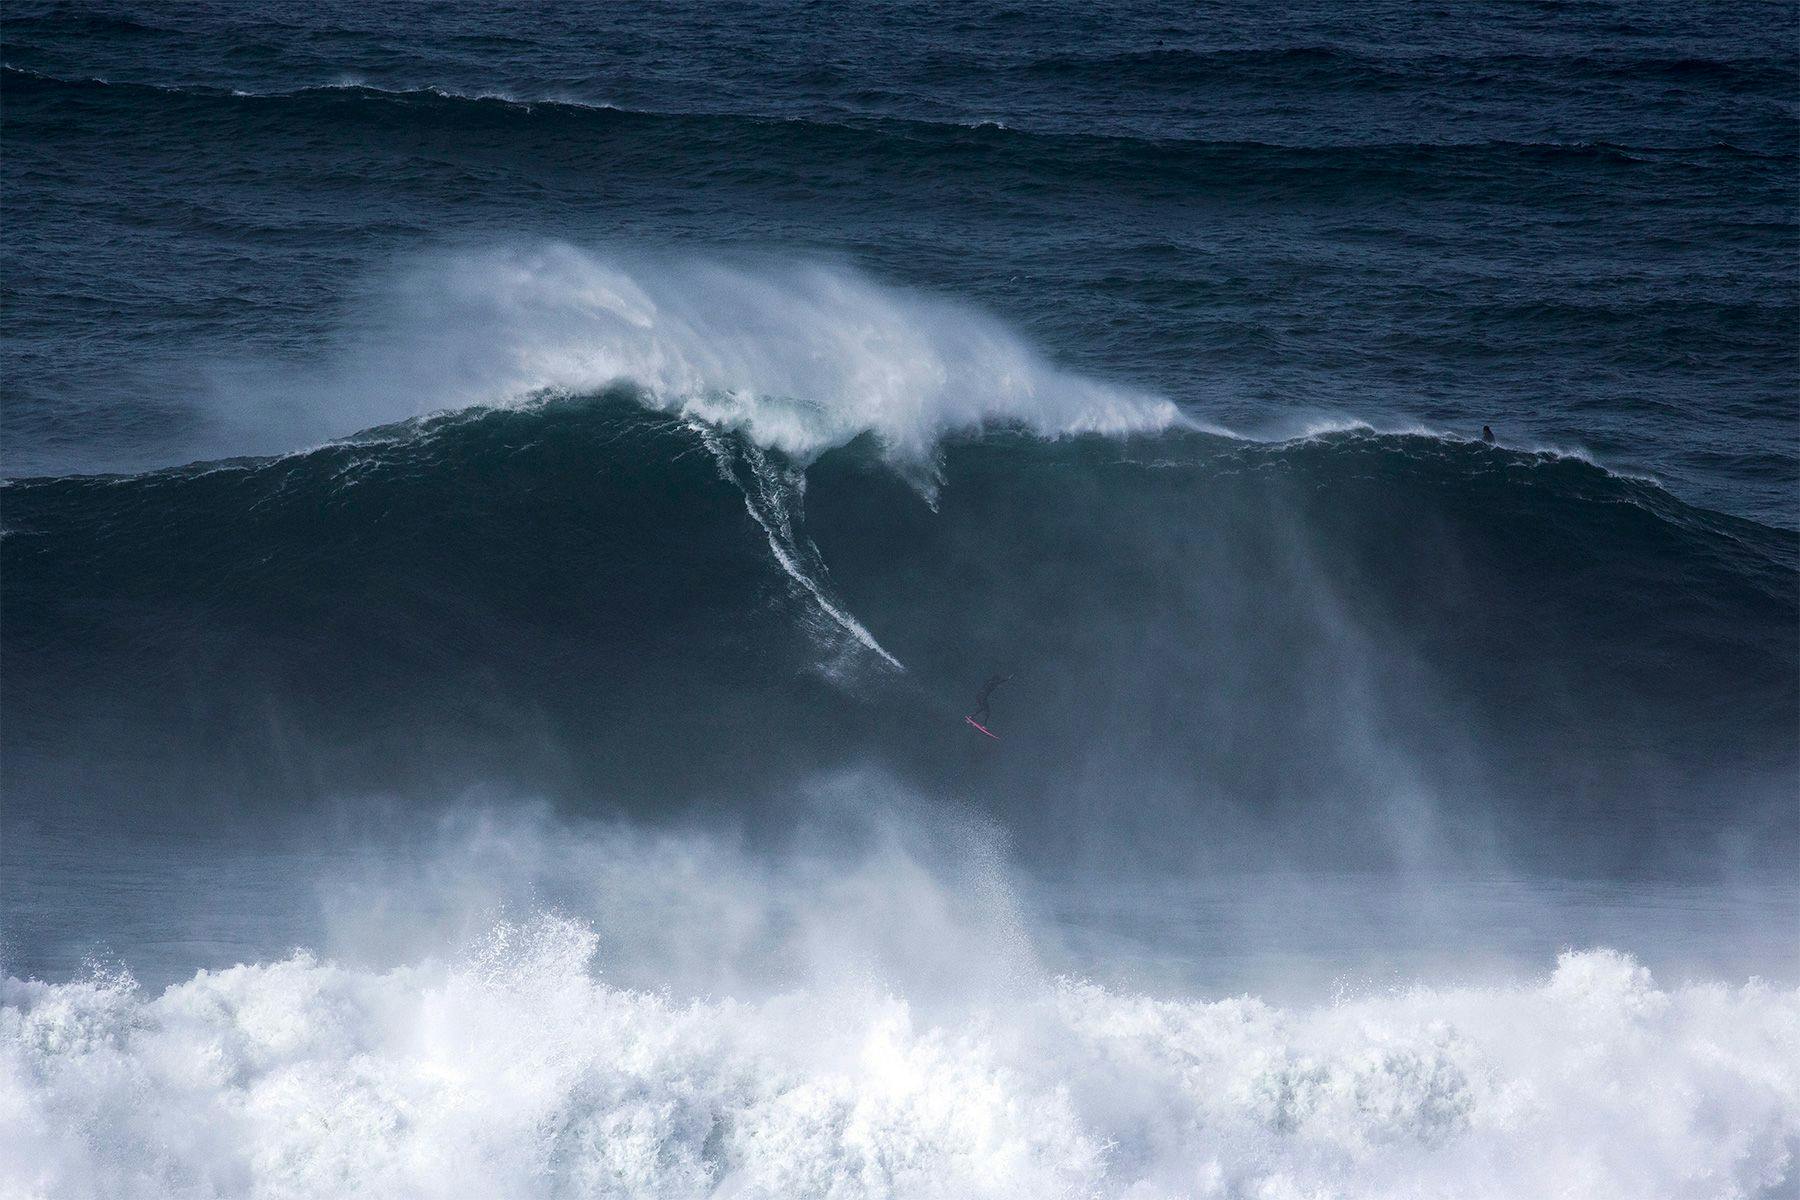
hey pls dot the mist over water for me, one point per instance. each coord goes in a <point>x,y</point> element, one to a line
<point>872,1007</point>
<point>800,357</point>
<point>496,725</point>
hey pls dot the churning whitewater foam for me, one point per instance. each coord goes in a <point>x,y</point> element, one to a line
<point>517,1070</point>
<point>799,358</point>
<point>860,1015</point>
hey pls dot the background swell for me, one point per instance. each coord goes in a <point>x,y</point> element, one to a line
<point>1574,225</point>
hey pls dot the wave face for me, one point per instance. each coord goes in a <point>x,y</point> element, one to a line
<point>1461,639</point>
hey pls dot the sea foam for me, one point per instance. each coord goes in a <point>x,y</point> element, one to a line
<point>517,1070</point>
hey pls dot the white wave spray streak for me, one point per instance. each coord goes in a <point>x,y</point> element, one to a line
<point>798,358</point>
<point>772,492</point>
<point>518,1071</point>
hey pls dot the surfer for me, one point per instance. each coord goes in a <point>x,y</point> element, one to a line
<point>1487,434</point>
<point>980,715</point>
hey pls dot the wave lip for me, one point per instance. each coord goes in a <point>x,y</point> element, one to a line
<point>1132,144</point>
<point>516,1071</point>
<point>800,359</point>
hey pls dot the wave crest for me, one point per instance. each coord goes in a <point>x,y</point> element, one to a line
<point>799,358</point>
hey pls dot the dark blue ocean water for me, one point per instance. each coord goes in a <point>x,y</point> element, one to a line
<point>574,465</point>
<point>1351,236</point>
<point>1572,222</point>
<point>716,303</point>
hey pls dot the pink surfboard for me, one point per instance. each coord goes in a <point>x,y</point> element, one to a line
<point>983,728</point>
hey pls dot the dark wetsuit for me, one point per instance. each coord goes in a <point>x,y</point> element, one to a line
<point>981,699</point>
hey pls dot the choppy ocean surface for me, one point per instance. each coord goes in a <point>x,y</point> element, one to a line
<point>506,507</point>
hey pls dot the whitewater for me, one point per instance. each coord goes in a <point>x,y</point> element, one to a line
<point>912,1046</point>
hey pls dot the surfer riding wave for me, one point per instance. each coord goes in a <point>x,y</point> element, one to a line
<point>979,718</point>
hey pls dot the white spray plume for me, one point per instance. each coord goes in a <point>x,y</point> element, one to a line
<point>800,358</point>
<point>858,1014</point>
<point>518,1070</point>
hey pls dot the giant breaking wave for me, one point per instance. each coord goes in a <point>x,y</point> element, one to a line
<point>801,358</point>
